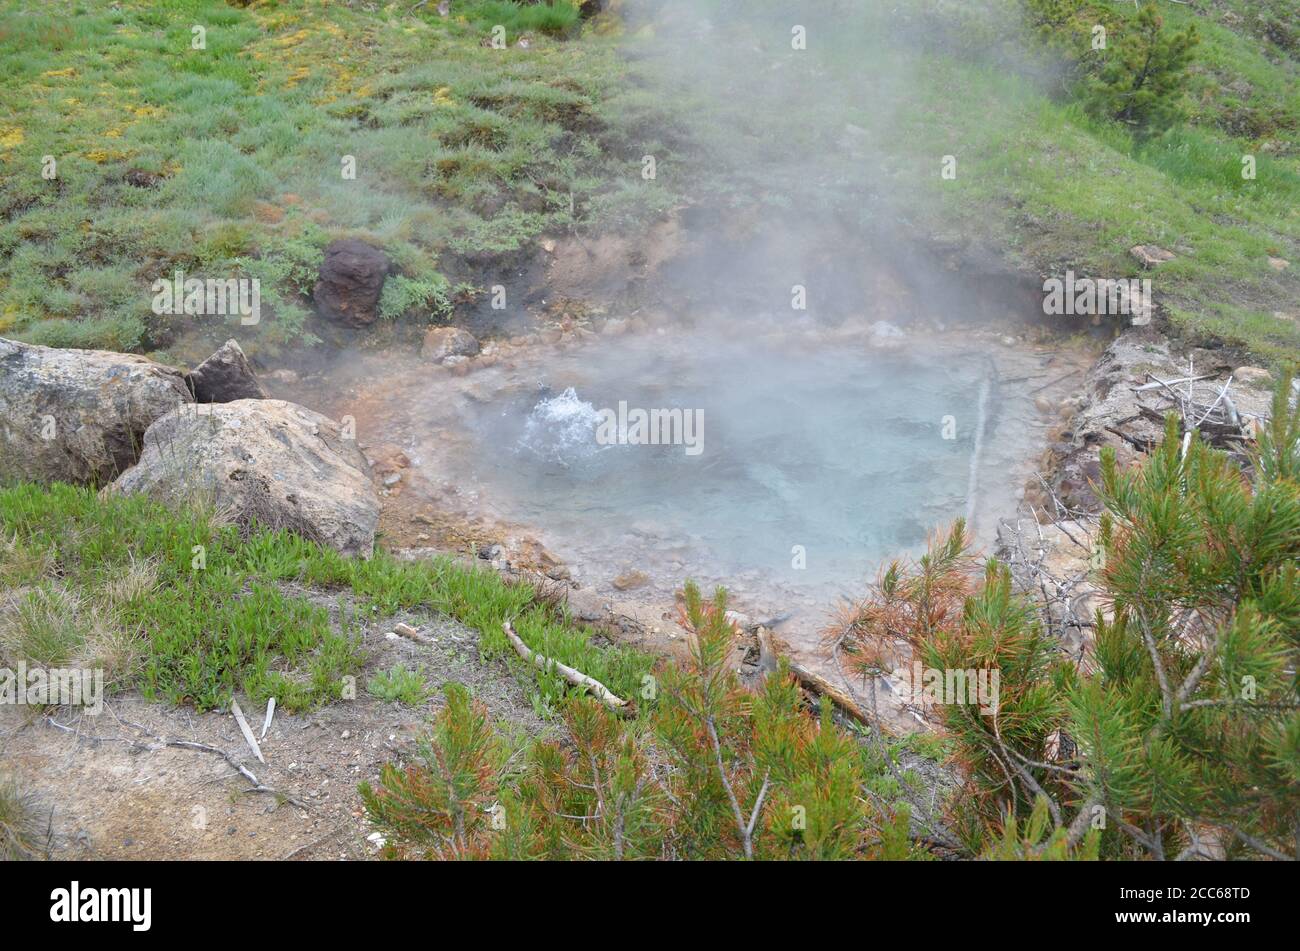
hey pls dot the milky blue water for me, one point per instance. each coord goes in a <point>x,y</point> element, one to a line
<point>812,466</point>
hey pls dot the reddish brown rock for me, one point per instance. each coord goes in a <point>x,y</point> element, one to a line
<point>351,282</point>
<point>443,342</point>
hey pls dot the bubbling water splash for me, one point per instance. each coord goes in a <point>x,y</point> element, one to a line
<point>561,430</point>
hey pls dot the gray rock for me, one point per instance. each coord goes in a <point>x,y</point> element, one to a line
<point>1108,400</point>
<point>1253,377</point>
<point>225,377</point>
<point>585,605</point>
<point>78,415</point>
<point>275,462</point>
<point>351,281</point>
<point>742,621</point>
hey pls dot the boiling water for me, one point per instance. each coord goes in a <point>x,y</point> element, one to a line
<point>807,469</point>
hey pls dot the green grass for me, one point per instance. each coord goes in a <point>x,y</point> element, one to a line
<point>46,625</point>
<point>556,19</point>
<point>1039,181</point>
<point>1086,194</point>
<point>400,685</point>
<point>24,828</point>
<point>113,582</point>
<point>460,151</point>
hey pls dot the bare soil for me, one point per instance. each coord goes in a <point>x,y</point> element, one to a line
<point>114,791</point>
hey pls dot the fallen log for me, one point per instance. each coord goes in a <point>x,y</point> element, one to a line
<point>575,677</point>
<point>821,687</point>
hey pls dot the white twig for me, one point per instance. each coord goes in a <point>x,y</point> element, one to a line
<point>575,677</point>
<point>1158,383</point>
<point>1223,392</point>
<point>246,730</point>
<point>270,715</point>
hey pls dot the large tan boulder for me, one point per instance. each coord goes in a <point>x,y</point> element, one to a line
<point>78,415</point>
<point>272,461</point>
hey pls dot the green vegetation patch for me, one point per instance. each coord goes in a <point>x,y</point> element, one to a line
<point>229,160</point>
<point>1058,162</point>
<point>190,611</point>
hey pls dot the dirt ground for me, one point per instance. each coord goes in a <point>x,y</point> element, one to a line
<point>114,791</point>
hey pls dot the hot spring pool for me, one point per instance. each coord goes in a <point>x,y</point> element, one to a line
<point>823,465</point>
<point>810,465</point>
<point>818,456</point>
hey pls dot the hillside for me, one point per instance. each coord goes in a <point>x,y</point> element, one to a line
<point>382,566</point>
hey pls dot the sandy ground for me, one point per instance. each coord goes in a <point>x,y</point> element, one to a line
<point>114,791</point>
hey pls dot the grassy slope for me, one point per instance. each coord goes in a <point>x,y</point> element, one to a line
<point>465,154</point>
<point>1083,194</point>
<point>461,151</point>
<point>1037,177</point>
<point>1185,190</point>
<point>1073,192</point>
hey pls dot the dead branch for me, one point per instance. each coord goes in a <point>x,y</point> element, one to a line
<point>746,832</point>
<point>332,834</point>
<point>1156,383</point>
<point>821,687</point>
<point>1141,445</point>
<point>575,677</point>
<point>1263,847</point>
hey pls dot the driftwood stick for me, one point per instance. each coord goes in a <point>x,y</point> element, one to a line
<point>575,677</point>
<point>1217,400</point>
<point>820,686</point>
<point>1158,383</point>
<point>245,729</point>
<point>266,721</point>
